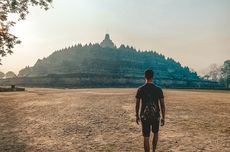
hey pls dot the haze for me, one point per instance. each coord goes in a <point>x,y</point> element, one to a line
<point>194,32</point>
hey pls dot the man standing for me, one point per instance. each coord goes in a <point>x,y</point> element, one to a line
<point>150,96</point>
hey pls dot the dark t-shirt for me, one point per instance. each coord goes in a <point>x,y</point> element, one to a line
<point>149,93</point>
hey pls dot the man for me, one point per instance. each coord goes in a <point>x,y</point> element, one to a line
<point>150,96</point>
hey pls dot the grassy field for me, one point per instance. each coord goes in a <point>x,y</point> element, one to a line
<point>104,120</point>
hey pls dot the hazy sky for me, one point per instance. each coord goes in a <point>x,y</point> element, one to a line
<point>194,32</point>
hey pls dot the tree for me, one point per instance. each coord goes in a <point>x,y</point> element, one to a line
<point>214,72</point>
<point>206,77</point>
<point>1,75</point>
<point>10,74</point>
<point>225,71</point>
<point>19,7</point>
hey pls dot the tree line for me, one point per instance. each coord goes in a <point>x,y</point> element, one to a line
<point>220,74</point>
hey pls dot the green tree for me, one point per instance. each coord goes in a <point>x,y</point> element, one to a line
<point>19,7</point>
<point>226,73</point>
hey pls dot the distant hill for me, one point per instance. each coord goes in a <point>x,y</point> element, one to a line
<point>107,59</point>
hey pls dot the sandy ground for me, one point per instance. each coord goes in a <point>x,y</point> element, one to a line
<point>104,120</point>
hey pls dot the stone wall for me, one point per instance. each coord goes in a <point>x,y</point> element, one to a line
<point>95,80</point>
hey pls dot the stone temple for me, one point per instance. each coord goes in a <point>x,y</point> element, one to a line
<point>105,65</point>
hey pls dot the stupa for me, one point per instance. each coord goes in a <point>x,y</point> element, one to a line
<point>107,42</point>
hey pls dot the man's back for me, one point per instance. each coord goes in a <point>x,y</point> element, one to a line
<point>149,93</point>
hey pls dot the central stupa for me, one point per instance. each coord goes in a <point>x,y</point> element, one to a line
<point>107,42</point>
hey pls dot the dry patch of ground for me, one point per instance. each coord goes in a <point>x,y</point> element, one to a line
<point>104,120</point>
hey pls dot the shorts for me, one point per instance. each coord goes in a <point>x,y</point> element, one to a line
<point>146,126</point>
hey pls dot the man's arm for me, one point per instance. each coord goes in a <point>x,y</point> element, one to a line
<point>162,103</point>
<point>137,110</point>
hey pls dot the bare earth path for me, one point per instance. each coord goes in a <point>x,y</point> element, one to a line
<point>104,120</point>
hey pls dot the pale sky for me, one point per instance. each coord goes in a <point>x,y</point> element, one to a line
<point>194,32</point>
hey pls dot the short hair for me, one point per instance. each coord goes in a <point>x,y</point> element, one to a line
<point>149,74</point>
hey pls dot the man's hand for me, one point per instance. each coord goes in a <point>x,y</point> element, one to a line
<point>162,102</point>
<point>137,119</point>
<point>162,122</point>
<point>137,110</point>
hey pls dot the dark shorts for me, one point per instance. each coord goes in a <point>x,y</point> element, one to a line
<point>146,126</point>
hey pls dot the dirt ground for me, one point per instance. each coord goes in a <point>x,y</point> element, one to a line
<point>93,120</point>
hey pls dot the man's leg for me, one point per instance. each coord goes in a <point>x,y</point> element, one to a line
<point>146,134</point>
<point>146,144</point>
<point>155,129</point>
<point>155,139</point>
